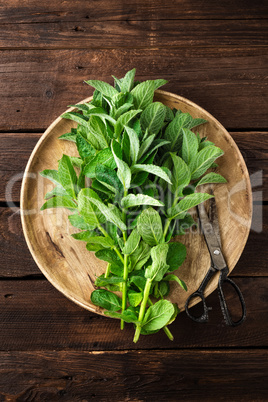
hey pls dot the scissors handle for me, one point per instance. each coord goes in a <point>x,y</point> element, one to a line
<point>226,314</point>
<point>200,294</point>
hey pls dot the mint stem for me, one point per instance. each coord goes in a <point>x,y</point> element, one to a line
<point>142,309</point>
<point>124,289</point>
<point>107,272</point>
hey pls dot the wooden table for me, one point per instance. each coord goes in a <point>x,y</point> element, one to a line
<point>214,53</point>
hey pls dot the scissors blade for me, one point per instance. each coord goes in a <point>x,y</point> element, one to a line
<point>214,245</point>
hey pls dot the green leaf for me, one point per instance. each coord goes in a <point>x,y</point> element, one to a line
<point>104,157</point>
<point>155,145</point>
<point>51,174</point>
<point>134,298</point>
<point>102,281</point>
<point>127,82</point>
<point>79,222</point>
<point>196,122</point>
<point>203,160</point>
<point>124,120</point>
<point>76,162</point>
<point>109,178</point>
<point>109,256</point>
<point>123,171</point>
<point>67,175</point>
<point>133,143</point>
<point>104,242</point>
<point>84,236</point>
<point>176,255</point>
<point>153,117</point>
<point>103,87</point>
<point>140,256</point>
<point>211,178</point>
<point>131,243</point>
<point>77,117</point>
<point>153,169</point>
<point>173,132</point>
<point>181,175</point>
<point>93,247</point>
<point>127,315</point>
<point>143,94</point>
<point>59,202</point>
<point>68,136</point>
<point>159,266</point>
<point>88,210</point>
<point>122,109</point>
<point>158,315</point>
<point>145,145</point>
<point>98,135</point>
<point>138,281</point>
<point>105,299</point>
<point>58,190</point>
<point>187,203</point>
<point>176,279</point>
<point>189,145</point>
<point>83,146</point>
<point>159,83</point>
<point>109,214</point>
<point>149,226</point>
<point>132,200</point>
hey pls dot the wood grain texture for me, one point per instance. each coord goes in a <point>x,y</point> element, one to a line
<point>134,376</point>
<point>229,82</point>
<point>123,34</point>
<point>32,11</point>
<point>252,145</point>
<point>35,316</point>
<point>67,264</point>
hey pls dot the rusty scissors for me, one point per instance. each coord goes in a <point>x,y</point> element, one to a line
<point>211,232</point>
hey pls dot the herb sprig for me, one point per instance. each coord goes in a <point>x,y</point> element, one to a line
<point>130,191</point>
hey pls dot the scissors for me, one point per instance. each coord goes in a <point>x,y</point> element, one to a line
<point>211,232</point>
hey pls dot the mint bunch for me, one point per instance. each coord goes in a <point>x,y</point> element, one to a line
<point>130,190</point>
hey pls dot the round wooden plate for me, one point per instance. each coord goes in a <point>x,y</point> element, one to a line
<point>71,268</point>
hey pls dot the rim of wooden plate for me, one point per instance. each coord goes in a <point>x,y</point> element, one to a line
<point>48,132</point>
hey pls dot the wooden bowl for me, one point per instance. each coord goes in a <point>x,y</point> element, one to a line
<point>71,268</point>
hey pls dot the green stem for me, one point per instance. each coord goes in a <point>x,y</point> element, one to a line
<point>107,272</point>
<point>165,329</point>
<point>142,309</point>
<point>166,229</point>
<point>119,254</point>
<point>124,289</point>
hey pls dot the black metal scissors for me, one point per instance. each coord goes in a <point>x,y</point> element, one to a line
<point>211,231</point>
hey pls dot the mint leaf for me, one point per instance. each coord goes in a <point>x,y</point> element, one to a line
<point>173,277</point>
<point>51,174</point>
<point>189,145</point>
<point>104,157</point>
<point>79,222</point>
<point>105,299</point>
<point>134,298</point>
<point>67,176</point>
<point>176,255</point>
<point>131,243</point>
<point>186,203</point>
<point>158,315</point>
<point>181,174</point>
<point>140,256</point>
<point>143,94</point>
<point>77,117</point>
<point>123,172</point>
<point>159,83</point>
<point>98,131</point>
<point>59,202</point>
<point>103,87</point>
<point>154,169</point>
<point>132,200</point>
<point>109,214</point>
<point>84,148</point>
<point>159,266</point>
<point>134,144</point>
<point>127,82</point>
<point>149,226</point>
<point>211,178</point>
<point>152,118</point>
<point>203,160</point>
<point>89,210</point>
<point>124,120</point>
<point>109,178</point>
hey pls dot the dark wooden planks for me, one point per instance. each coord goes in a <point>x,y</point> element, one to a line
<point>134,376</point>
<point>138,34</point>
<point>35,316</point>
<point>105,10</point>
<point>16,260</point>
<point>16,149</point>
<point>229,82</point>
